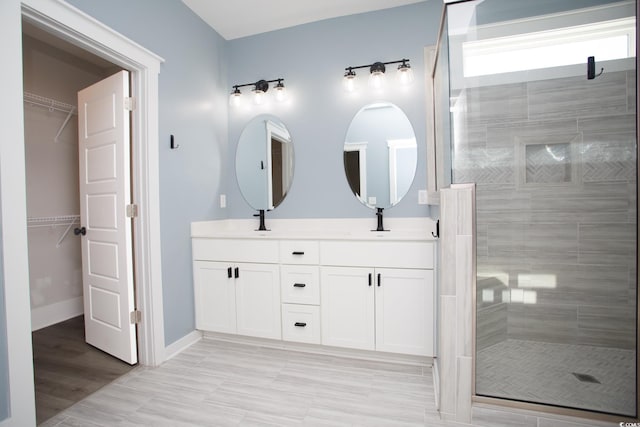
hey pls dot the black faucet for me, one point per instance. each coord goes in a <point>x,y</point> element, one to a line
<point>262,226</point>
<point>379,215</point>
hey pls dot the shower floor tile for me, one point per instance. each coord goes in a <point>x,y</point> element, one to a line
<point>559,374</point>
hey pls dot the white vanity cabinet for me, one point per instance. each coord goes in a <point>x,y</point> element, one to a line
<point>404,311</point>
<point>370,292</point>
<point>215,297</point>
<point>348,317</point>
<point>258,300</point>
<point>234,295</point>
<point>369,304</point>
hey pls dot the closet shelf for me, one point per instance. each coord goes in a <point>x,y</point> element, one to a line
<point>52,105</point>
<point>52,221</point>
<point>49,103</point>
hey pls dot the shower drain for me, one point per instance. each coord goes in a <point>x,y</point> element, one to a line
<point>585,378</point>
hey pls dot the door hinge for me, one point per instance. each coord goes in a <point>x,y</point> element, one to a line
<point>129,103</point>
<point>132,211</point>
<point>136,317</point>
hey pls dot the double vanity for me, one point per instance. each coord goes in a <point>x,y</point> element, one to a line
<point>329,282</point>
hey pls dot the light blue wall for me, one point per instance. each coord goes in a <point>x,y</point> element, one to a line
<point>311,58</point>
<point>4,357</point>
<point>195,81</point>
<point>193,107</point>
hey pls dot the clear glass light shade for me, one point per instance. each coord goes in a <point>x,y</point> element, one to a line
<point>405,74</point>
<point>349,81</point>
<point>280,93</point>
<point>258,96</point>
<point>376,79</point>
<point>235,99</point>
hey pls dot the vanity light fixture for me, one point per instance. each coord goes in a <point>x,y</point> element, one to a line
<point>281,91</point>
<point>349,80</point>
<point>376,78</point>
<point>377,74</point>
<point>235,98</point>
<point>405,73</point>
<point>259,90</point>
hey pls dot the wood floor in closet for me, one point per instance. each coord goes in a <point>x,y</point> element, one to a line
<point>67,369</point>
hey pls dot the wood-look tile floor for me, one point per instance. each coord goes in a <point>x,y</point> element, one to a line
<point>216,383</point>
<point>66,369</point>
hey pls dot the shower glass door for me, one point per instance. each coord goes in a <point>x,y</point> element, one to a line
<point>550,142</point>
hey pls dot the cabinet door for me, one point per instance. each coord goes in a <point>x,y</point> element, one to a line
<point>215,297</point>
<point>347,304</point>
<point>404,311</point>
<point>258,300</point>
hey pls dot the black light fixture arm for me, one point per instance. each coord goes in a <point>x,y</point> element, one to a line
<point>403,61</point>
<point>263,85</point>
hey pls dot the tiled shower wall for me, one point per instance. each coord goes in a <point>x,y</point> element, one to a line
<point>555,166</point>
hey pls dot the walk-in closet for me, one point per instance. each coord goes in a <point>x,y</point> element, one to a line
<point>66,368</point>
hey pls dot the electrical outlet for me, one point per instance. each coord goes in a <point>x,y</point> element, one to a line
<point>423,197</point>
<point>223,200</point>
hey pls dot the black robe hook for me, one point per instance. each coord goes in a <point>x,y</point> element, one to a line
<point>437,232</point>
<point>591,68</point>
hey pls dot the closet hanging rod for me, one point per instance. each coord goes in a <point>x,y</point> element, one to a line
<point>49,103</point>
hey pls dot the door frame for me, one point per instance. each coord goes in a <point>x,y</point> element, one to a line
<point>361,148</point>
<point>73,25</point>
<point>69,23</point>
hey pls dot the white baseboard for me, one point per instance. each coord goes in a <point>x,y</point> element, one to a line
<point>182,344</point>
<point>48,315</point>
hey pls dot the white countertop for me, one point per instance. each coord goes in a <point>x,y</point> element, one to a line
<point>407,229</point>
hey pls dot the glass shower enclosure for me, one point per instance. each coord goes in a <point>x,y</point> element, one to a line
<point>542,118</point>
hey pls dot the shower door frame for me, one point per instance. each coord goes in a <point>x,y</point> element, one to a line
<point>435,164</point>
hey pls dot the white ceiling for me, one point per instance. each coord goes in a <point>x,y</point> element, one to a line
<point>233,19</point>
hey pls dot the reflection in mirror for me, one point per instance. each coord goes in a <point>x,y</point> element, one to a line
<point>264,162</point>
<point>380,155</point>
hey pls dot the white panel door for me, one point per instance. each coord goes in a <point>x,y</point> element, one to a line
<point>215,294</point>
<point>347,307</point>
<point>258,300</point>
<point>105,191</point>
<point>404,311</point>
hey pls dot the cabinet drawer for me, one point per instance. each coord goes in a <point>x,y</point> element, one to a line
<point>299,252</point>
<point>236,250</point>
<point>300,284</point>
<point>392,254</point>
<point>301,323</point>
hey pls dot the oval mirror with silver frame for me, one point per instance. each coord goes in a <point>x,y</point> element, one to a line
<point>264,162</point>
<point>380,155</point>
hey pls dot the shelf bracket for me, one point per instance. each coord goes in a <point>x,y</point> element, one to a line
<point>64,124</point>
<point>59,242</point>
